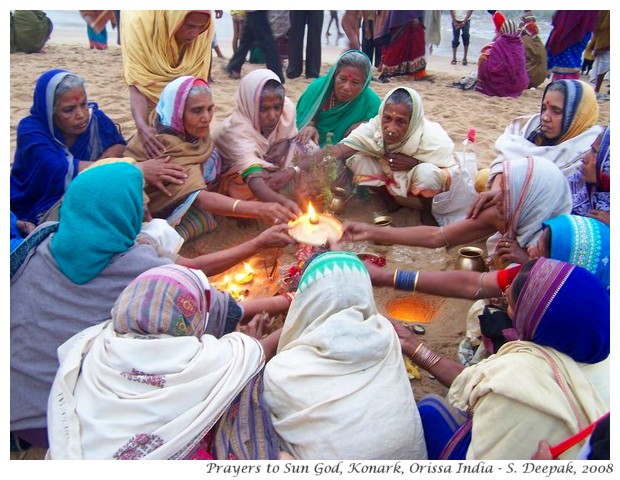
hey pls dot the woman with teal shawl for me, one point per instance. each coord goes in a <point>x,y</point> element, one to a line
<point>337,102</point>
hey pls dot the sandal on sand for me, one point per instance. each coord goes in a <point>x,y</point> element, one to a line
<point>465,62</point>
<point>453,62</point>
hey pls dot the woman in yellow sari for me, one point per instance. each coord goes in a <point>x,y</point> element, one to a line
<point>159,46</point>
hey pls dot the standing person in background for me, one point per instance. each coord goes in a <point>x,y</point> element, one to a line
<point>351,26</point>
<point>313,19</point>
<point>461,20</point>
<point>600,50</point>
<point>569,36</point>
<point>238,21</point>
<point>96,22</point>
<point>333,16</point>
<point>158,46</point>
<point>369,47</point>
<point>256,30</point>
<point>432,29</point>
<point>401,36</point>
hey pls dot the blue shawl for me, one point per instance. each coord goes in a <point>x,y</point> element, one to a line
<point>100,216</point>
<point>564,307</point>
<point>43,164</point>
<point>583,241</point>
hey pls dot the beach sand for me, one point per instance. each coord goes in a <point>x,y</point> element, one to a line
<point>457,111</point>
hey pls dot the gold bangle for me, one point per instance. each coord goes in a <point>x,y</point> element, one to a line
<point>415,283</point>
<point>234,207</point>
<point>420,345</point>
<point>394,279</point>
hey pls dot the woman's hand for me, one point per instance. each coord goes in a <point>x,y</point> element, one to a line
<point>309,132</point>
<point>483,201</point>
<point>356,231</point>
<point>409,341</point>
<point>272,213</point>
<point>509,251</point>
<point>254,328</point>
<point>600,215</point>
<point>153,147</point>
<point>161,171</point>
<point>399,162</point>
<point>278,152</point>
<point>275,237</point>
<point>278,179</point>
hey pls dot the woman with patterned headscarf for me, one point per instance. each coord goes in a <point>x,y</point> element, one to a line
<point>175,386</point>
<point>66,276</point>
<point>545,382</point>
<point>590,185</point>
<point>159,46</point>
<point>337,387</point>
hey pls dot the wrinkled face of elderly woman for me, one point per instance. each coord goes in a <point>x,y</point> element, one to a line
<point>194,24</point>
<point>348,84</point>
<point>71,112</point>
<point>198,113</point>
<point>551,114</point>
<point>270,111</point>
<point>395,122</point>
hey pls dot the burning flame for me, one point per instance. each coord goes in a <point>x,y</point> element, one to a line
<point>248,269</point>
<point>311,212</point>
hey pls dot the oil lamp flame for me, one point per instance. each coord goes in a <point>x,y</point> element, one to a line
<point>245,276</point>
<point>312,216</point>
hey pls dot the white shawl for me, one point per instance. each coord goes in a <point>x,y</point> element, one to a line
<point>337,388</point>
<point>517,401</point>
<point>513,143</point>
<point>131,396</point>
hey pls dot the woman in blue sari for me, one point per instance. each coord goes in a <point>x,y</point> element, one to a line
<point>63,134</point>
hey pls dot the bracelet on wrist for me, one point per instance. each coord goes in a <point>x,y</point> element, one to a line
<point>297,169</point>
<point>406,280</point>
<point>234,206</point>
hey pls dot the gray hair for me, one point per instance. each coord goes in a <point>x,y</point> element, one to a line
<point>398,97</point>
<point>70,82</point>
<point>354,58</point>
<point>272,87</point>
<point>198,89</point>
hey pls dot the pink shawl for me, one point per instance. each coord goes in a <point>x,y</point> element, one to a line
<point>238,137</point>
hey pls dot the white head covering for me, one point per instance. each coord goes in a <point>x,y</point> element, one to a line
<point>337,388</point>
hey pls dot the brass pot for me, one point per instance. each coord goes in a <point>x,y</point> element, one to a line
<point>470,258</point>
<point>339,199</point>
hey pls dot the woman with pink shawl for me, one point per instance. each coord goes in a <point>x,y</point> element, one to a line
<point>256,143</point>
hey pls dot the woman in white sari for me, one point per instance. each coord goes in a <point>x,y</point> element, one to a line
<point>337,386</point>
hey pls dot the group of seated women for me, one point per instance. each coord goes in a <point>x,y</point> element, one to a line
<point>138,356</point>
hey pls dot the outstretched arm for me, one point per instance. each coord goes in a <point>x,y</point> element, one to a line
<point>218,262</point>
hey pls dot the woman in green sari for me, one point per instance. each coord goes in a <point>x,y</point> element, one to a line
<point>338,102</point>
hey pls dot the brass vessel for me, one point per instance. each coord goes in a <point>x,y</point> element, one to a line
<point>470,258</point>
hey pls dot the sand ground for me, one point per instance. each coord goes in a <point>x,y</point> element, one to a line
<point>457,111</point>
